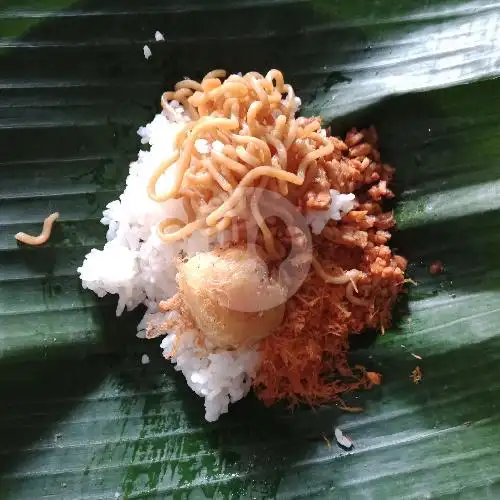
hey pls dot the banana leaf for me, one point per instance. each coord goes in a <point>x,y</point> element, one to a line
<point>81,417</point>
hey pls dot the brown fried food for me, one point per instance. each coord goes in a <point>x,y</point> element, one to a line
<point>305,360</point>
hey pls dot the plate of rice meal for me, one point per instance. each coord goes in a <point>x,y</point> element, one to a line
<point>256,240</point>
<point>248,250</point>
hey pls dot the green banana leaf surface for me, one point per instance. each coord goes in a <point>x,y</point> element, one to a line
<point>81,418</point>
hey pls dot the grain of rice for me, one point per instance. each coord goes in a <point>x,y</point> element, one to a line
<point>202,146</point>
<point>343,440</point>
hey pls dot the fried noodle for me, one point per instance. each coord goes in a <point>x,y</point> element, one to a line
<point>253,116</point>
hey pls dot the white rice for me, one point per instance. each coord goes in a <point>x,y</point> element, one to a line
<point>340,205</point>
<point>342,439</point>
<point>220,378</point>
<point>147,52</point>
<point>145,359</point>
<point>202,146</point>
<point>139,268</point>
<point>159,36</point>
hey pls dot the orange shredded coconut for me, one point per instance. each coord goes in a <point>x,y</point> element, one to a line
<point>436,267</point>
<point>374,377</point>
<point>305,360</point>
